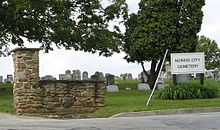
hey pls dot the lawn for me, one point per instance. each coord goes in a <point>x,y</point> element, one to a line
<point>6,98</point>
<point>129,100</point>
<point>134,100</point>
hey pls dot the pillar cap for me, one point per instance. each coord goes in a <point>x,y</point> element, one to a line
<point>26,49</point>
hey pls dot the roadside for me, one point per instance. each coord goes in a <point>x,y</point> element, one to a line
<point>166,112</point>
<point>12,117</point>
<point>200,121</point>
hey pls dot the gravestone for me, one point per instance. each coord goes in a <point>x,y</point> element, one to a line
<point>183,78</point>
<point>9,79</point>
<point>85,75</point>
<point>143,86</point>
<point>98,76</point>
<point>160,83</point>
<point>209,74</point>
<point>118,78</point>
<point>129,76</point>
<point>110,82</point>
<point>161,86</point>
<point>112,88</point>
<point>48,77</point>
<point>110,79</point>
<point>62,77</point>
<point>76,75</point>
<point>217,74</point>
<point>67,72</point>
<point>94,77</point>
<point>5,81</point>
<point>139,77</point>
<point>168,74</point>
<point>143,77</point>
<point>68,75</point>
<point>1,79</point>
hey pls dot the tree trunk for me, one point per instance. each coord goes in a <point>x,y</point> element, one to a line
<point>144,72</point>
<point>152,77</point>
<point>154,71</point>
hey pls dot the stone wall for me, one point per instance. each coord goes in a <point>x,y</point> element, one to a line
<point>71,97</point>
<point>61,98</point>
<point>26,78</point>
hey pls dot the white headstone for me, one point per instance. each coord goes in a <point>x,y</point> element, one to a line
<point>85,75</point>
<point>110,79</point>
<point>62,76</point>
<point>217,75</point>
<point>10,78</point>
<point>98,76</point>
<point>69,76</point>
<point>183,78</point>
<point>112,88</point>
<point>143,77</point>
<point>48,77</point>
<point>76,75</point>
<point>67,72</point>
<point>143,86</point>
<point>129,76</point>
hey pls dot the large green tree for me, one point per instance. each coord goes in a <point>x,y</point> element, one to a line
<point>211,50</point>
<point>161,25</point>
<point>73,24</point>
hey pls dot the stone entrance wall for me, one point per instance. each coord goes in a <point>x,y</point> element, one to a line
<point>60,97</point>
<point>68,97</point>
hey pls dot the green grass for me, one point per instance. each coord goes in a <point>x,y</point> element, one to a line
<point>134,100</point>
<point>123,84</point>
<point>6,98</point>
<point>129,101</point>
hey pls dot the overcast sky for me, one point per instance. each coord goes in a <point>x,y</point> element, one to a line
<point>57,61</point>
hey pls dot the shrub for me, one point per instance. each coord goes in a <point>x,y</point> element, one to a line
<point>188,91</point>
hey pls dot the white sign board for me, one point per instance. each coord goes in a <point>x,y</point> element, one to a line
<point>186,63</point>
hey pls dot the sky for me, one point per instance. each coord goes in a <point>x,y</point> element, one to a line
<point>58,61</point>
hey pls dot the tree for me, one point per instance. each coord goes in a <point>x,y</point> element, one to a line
<point>124,76</point>
<point>211,50</point>
<point>73,24</point>
<point>161,25</point>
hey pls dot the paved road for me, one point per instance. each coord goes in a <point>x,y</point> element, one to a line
<point>202,121</point>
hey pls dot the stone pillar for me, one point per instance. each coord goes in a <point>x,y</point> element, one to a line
<point>26,78</point>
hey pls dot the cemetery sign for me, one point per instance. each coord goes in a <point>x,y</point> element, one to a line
<point>186,63</point>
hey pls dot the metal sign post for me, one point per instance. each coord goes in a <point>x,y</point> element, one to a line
<point>155,84</point>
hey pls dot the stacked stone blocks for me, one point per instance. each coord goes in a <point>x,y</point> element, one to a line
<point>32,96</point>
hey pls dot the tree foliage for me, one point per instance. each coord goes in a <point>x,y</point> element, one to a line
<point>161,25</point>
<point>211,50</point>
<point>73,24</point>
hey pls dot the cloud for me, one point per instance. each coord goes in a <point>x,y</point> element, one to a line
<point>58,61</point>
<point>211,20</point>
<point>212,31</point>
<point>133,5</point>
